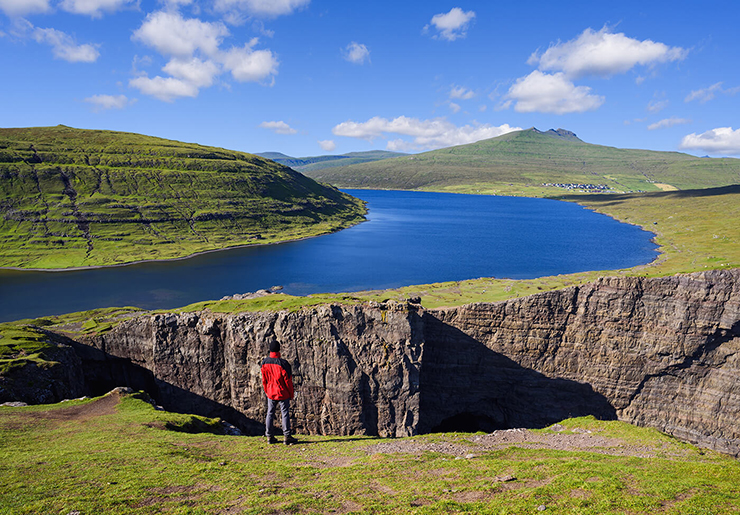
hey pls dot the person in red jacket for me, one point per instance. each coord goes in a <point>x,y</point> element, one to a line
<point>277,380</point>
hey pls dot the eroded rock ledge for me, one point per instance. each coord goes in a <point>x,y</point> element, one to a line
<point>655,352</point>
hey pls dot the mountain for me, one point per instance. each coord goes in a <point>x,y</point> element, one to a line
<point>307,164</point>
<point>537,163</point>
<point>72,197</point>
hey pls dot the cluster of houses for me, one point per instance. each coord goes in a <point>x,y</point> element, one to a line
<point>582,187</point>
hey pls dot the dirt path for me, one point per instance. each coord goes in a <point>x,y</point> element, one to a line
<point>559,439</point>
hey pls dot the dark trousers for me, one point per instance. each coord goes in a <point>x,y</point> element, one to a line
<point>284,407</point>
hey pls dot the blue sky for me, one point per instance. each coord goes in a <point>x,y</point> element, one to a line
<point>310,77</point>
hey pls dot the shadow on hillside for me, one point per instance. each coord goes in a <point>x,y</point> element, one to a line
<point>466,387</point>
<point>708,192</point>
<point>103,372</point>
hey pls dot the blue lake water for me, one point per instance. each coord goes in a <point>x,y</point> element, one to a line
<point>409,238</point>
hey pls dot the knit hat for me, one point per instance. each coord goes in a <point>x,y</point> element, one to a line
<point>274,347</point>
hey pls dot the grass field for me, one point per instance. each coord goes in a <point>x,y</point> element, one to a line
<point>117,454</point>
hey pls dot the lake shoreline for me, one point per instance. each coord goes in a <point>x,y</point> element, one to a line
<point>165,260</point>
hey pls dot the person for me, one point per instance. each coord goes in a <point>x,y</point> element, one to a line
<point>277,380</point>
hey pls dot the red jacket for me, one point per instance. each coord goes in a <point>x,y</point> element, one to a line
<point>277,378</point>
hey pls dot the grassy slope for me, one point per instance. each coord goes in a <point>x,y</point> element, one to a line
<point>71,197</point>
<point>519,163</point>
<point>120,459</point>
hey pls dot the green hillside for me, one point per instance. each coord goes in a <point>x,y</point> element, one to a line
<point>535,163</point>
<point>72,197</point>
<point>308,164</point>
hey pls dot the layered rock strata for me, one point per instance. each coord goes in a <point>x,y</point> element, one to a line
<point>655,352</point>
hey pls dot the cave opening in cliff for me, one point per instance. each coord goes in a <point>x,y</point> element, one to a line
<point>468,423</point>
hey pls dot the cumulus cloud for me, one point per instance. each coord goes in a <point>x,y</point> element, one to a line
<point>455,108</point>
<point>452,25</point>
<point>668,122</point>
<point>722,140</point>
<point>94,8</point>
<point>237,11</point>
<point>278,127</point>
<point>103,102</point>
<point>356,53</point>
<point>426,134</point>
<point>327,145</point>
<point>197,72</point>
<point>603,54</point>
<point>196,56</point>
<point>545,93</point>
<point>461,93</point>
<point>164,88</point>
<point>248,65</point>
<point>64,47</point>
<point>710,93</point>
<point>171,34</point>
<point>15,8</point>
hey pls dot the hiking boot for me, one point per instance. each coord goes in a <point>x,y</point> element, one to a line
<point>289,440</point>
<point>271,439</point>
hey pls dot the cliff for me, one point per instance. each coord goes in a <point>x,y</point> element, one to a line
<point>655,352</point>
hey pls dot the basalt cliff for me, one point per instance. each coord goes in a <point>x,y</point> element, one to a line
<point>659,352</point>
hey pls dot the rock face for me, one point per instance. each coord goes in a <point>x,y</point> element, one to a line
<point>357,369</point>
<point>656,352</point>
<point>52,380</point>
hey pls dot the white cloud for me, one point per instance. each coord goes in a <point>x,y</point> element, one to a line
<point>707,94</point>
<point>103,102</point>
<point>181,39</point>
<point>170,34</point>
<point>356,53</point>
<point>237,11</point>
<point>327,145</point>
<point>452,25</point>
<point>247,65</point>
<point>64,46</point>
<point>195,71</point>
<point>603,54</point>
<point>93,8</point>
<point>655,106</point>
<point>164,88</point>
<point>14,8</point>
<point>545,93</point>
<point>426,134</point>
<point>668,122</point>
<point>722,140</point>
<point>455,108</point>
<point>461,93</point>
<point>278,127</point>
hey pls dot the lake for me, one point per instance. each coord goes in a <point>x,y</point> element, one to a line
<point>409,238</point>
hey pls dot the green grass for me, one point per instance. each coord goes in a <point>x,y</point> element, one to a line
<point>75,198</point>
<point>122,459</point>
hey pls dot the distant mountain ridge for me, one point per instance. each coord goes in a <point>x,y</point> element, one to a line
<point>536,163</point>
<point>306,164</point>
